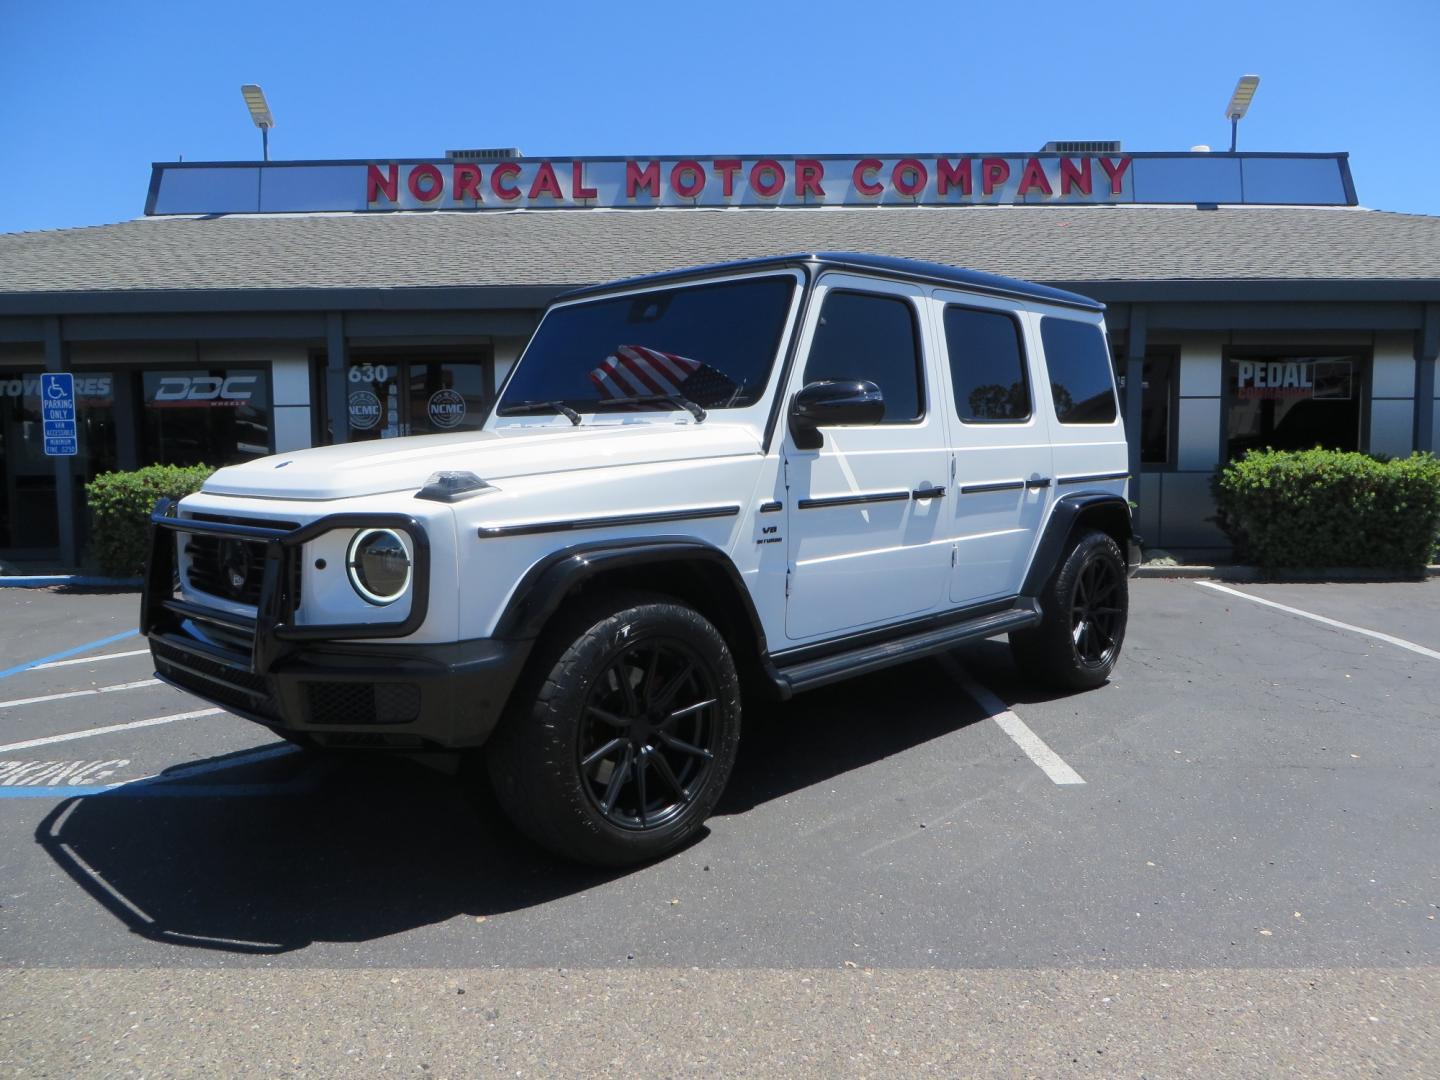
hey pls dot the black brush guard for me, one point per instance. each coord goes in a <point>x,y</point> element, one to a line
<point>324,683</point>
<point>273,632</point>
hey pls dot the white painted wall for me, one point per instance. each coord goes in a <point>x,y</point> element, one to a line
<point>1201,374</point>
<point>1197,427</point>
<point>292,428</point>
<point>1392,426</point>
<point>1394,373</point>
<point>1198,434</point>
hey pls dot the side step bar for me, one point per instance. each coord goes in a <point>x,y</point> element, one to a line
<point>810,674</point>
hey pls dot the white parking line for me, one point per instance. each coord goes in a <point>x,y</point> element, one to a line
<point>1035,748</point>
<point>91,659</point>
<point>69,735</point>
<point>1376,634</point>
<point>79,693</point>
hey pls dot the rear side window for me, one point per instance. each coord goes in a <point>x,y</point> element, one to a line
<point>987,366</point>
<point>1080,376</point>
<point>864,336</point>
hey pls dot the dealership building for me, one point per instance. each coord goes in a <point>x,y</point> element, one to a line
<point>257,308</point>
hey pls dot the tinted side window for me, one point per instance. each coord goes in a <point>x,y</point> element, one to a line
<point>864,336</point>
<point>1080,375</point>
<point>987,366</point>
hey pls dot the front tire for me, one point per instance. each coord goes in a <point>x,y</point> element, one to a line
<point>1086,606</point>
<point>618,746</point>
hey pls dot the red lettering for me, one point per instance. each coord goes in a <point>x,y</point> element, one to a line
<point>578,190</point>
<point>948,176</point>
<point>1116,173</point>
<point>499,180</point>
<point>545,183</point>
<point>766,188</point>
<point>376,183</point>
<point>636,178</point>
<point>994,171</point>
<point>864,169</point>
<point>1072,178</point>
<point>909,176</point>
<point>808,174</point>
<point>466,183</point>
<point>1034,176</point>
<point>687,179</point>
<point>426,192</point>
<point>727,168</point>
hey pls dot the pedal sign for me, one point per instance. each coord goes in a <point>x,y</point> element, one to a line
<point>57,404</point>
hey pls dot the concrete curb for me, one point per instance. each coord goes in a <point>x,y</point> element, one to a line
<point>1255,574</point>
<point>42,581</point>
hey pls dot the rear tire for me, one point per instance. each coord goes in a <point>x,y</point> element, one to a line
<point>617,746</point>
<point>1086,606</point>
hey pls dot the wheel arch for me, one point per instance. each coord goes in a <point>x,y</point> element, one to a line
<point>1071,515</point>
<point>692,571</point>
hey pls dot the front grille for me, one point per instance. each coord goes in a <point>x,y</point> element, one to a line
<point>363,703</point>
<point>232,568</point>
<point>242,690</point>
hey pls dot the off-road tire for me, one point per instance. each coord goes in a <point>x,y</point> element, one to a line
<point>1086,605</point>
<point>535,757</point>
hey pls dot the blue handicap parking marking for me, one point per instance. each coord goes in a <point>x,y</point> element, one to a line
<point>65,653</point>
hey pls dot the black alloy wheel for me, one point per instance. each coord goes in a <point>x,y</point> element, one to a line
<point>1095,614</point>
<point>1084,610</point>
<point>647,735</point>
<point>619,740</point>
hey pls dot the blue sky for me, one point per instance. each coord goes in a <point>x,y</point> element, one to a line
<point>91,93</point>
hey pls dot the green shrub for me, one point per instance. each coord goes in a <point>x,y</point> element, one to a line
<point>1315,508</point>
<point>120,506</point>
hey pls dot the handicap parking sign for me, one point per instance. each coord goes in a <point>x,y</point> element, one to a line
<point>57,409</point>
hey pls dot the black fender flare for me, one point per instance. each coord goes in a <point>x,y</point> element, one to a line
<point>543,588</point>
<point>1067,512</point>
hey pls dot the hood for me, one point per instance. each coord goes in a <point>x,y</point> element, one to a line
<point>372,468</point>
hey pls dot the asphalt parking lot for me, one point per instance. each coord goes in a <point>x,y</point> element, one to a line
<point>1225,862</point>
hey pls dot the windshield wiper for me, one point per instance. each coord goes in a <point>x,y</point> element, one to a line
<point>560,407</point>
<point>650,399</point>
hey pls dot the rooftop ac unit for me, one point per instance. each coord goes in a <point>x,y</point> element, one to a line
<point>498,153</point>
<point>1082,146</point>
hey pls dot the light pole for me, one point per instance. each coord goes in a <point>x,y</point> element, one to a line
<point>1239,103</point>
<point>260,113</point>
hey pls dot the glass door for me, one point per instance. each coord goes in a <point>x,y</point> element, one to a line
<point>388,396</point>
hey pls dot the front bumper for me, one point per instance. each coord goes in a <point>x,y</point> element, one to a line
<point>320,681</point>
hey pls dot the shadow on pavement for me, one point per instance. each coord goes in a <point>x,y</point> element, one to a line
<point>268,856</point>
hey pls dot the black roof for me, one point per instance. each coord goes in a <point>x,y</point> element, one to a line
<point>888,265</point>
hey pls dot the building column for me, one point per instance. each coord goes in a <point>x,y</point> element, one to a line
<point>64,466</point>
<point>1134,391</point>
<point>336,398</point>
<point>1427,399</point>
<point>1392,395</point>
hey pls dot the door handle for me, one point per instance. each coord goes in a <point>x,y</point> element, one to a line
<point>928,493</point>
<point>1040,482</point>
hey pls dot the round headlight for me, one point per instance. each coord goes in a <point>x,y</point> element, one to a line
<point>379,565</point>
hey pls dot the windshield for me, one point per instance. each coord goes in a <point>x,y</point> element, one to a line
<point>712,345</point>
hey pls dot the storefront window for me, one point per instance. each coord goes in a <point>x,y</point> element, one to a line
<point>1293,402</point>
<point>28,513</point>
<point>215,416</point>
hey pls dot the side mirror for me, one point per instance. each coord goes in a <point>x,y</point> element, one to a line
<point>831,404</point>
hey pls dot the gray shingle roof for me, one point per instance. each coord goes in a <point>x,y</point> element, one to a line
<point>1051,244</point>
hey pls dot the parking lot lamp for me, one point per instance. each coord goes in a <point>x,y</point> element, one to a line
<point>1239,103</point>
<point>260,113</point>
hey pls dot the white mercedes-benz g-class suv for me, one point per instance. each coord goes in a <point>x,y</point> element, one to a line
<point>758,477</point>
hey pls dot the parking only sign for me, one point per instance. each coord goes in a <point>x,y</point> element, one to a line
<point>57,403</point>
